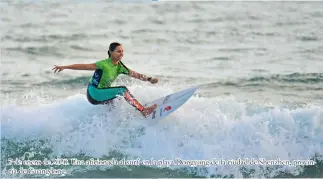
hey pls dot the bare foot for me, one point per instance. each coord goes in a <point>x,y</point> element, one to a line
<point>149,110</point>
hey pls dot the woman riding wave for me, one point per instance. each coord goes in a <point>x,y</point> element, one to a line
<point>99,90</point>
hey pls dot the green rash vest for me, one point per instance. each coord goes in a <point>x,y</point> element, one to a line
<point>106,73</point>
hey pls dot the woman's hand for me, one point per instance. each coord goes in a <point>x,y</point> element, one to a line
<point>58,68</point>
<point>153,80</point>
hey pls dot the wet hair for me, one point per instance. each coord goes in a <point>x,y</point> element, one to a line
<point>112,47</point>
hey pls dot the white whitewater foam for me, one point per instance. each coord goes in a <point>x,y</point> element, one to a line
<point>201,129</point>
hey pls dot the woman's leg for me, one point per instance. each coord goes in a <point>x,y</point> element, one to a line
<point>135,103</point>
<point>102,96</point>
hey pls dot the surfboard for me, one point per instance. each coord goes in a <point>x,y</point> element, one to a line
<point>168,104</point>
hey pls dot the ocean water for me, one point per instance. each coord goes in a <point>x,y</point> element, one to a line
<point>258,110</point>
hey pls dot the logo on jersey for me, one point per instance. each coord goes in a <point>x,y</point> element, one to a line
<point>97,77</point>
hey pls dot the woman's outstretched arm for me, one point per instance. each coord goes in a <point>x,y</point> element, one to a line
<point>91,66</point>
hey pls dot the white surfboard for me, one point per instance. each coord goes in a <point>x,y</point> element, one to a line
<point>169,103</point>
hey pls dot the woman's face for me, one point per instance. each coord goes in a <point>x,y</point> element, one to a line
<point>117,54</point>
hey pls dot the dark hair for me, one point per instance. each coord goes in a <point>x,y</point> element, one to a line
<point>112,47</point>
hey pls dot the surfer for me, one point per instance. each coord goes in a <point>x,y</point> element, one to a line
<point>99,90</point>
